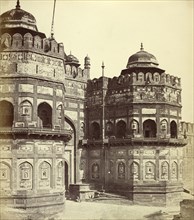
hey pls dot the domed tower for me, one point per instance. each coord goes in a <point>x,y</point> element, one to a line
<point>142,149</point>
<point>32,133</point>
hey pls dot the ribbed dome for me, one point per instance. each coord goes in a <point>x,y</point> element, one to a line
<point>72,59</point>
<point>142,58</point>
<point>18,18</point>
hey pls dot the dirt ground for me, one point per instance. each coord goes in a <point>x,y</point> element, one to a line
<point>93,210</point>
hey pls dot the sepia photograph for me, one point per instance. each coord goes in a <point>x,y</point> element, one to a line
<point>96,110</point>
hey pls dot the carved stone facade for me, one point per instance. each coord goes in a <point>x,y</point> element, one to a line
<point>142,153</point>
<point>32,126</point>
<point>52,129</point>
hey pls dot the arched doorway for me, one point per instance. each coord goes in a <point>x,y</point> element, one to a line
<point>149,128</point>
<point>66,176</point>
<point>121,129</point>
<point>173,129</point>
<point>45,115</point>
<point>95,130</point>
<point>6,114</point>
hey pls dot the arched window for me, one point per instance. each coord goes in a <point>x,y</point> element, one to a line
<point>45,115</point>
<point>121,170</point>
<point>165,171</point>
<point>44,175</point>
<point>149,171</point>
<point>173,129</point>
<point>25,181</point>
<point>6,114</point>
<point>140,77</point>
<point>17,40</point>
<point>5,175</point>
<point>149,128</point>
<point>109,128</point>
<point>121,129</point>
<point>95,171</point>
<point>46,45</point>
<point>95,130</point>
<point>37,42</point>
<point>28,40</point>
<point>174,170</point>
<point>26,109</point>
<point>134,170</point>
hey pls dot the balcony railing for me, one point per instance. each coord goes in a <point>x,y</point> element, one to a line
<point>136,140</point>
<point>35,130</point>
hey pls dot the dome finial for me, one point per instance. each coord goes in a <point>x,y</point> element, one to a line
<point>103,68</point>
<point>141,46</point>
<point>18,5</point>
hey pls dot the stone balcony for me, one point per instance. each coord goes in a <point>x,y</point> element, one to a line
<point>132,141</point>
<point>36,133</point>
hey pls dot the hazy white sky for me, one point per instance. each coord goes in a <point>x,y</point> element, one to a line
<point>111,31</point>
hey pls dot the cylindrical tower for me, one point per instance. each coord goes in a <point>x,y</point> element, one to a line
<point>32,133</point>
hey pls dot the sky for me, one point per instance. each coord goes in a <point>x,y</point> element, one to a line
<point>111,31</point>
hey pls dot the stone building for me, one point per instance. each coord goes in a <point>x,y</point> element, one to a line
<point>141,153</point>
<point>122,134</point>
<point>188,155</point>
<point>35,163</point>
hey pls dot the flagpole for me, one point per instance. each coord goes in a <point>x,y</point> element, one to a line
<point>103,130</point>
<point>53,18</point>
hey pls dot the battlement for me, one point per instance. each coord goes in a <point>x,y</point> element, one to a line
<point>187,127</point>
<point>148,77</point>
<point>33,41</point>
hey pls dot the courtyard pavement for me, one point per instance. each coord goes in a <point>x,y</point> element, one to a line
<point>116,209</point>
<point>103,211</point>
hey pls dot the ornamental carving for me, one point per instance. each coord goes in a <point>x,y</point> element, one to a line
<point>44,175</point>
<point>25,181</point>
<point>4,176</point>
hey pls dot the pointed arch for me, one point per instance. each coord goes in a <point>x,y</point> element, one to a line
<point>37,42</point>
<point>17,40</point>
<point>26,109</point>
<point>25,179</point>
<point>44,175</point>
<point>5,176</point>
<point>149,128</point>
<point>121,129</point>
<point>165,170</point>
<point>134,170</point>
<point>150,170</point>
<point>95,168</point>
<point>95,130</point>
<point>173,129</point>
<point>109,128</point>
<point>28,40</point>
<point>121,170</point>
<point>45,115</point>
<point>174,171</point>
